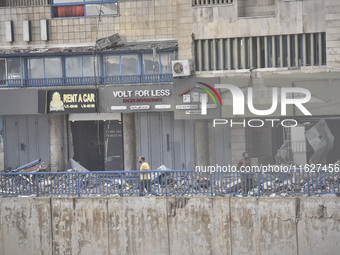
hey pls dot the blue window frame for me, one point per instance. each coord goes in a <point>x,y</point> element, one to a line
<point>77,69</point>
<point>49,67</point>
<point>10,68</point>
<point>76,8</point>
<point>125,64</point>
<point>82,66</point>
<point>138,64</point>
<point>159,64</point>
<point>151,64</point>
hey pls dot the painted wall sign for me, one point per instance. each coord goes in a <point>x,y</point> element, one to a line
<point>195,98</point>
<point>72,101</point>
<point>136,98</point>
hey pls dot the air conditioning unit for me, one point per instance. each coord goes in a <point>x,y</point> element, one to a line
<point>181,68</point>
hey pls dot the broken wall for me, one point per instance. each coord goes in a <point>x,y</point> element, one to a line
<point>172,225</point>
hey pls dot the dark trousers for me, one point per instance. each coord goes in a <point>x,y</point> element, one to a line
<point>144,184</point>
<point>247,183</point>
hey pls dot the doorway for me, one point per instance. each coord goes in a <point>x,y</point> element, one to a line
<point>88,144</point>
<point>98,145</point>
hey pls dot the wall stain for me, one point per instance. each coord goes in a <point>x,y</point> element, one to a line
<point>176,203</point>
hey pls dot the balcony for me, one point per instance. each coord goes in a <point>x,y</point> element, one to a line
<point>86,81</point>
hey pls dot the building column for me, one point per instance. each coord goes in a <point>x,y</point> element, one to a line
<point>129,140</point>
<point>202,143</point>
<point>58,142</point>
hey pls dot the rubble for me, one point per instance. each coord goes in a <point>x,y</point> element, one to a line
<point>321,140</point>
<point>104,44</point>
<point>73,166</point>
<point>31,167</point>
<point>79,181</point>
<point>108,42</point>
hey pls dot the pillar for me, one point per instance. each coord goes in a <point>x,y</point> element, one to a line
<point>58,142</point>
<point>129,138</point>
<point>202,143</point>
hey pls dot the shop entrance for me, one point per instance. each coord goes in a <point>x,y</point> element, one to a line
<point>88,144</point>
<point>98,145</point>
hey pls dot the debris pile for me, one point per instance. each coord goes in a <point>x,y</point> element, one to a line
<point>31,167</point>
<point>77,180</point>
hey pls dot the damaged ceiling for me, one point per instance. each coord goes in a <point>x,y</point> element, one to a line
<point>106,44</point>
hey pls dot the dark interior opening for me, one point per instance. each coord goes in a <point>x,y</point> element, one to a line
<point>88,144</point>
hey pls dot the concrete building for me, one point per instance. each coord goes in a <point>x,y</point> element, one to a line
<point>95,81</point>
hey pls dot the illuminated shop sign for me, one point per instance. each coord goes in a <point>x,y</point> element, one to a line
<point>72,101</point>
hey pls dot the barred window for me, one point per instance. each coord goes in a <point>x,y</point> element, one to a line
<point>255,8</point>
<point>19,3</point>
<point>210,2</point>
<point>275,51</point>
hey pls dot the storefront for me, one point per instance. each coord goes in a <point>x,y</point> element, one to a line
<point>94,140</point>
<point>149,124</point>
<point>24,133</point>
<point>166,127</point>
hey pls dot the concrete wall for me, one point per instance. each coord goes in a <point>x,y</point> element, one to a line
<point>253,8</point>
<point>154,225</point>
<point>290,17</point>
<point>332,8</point>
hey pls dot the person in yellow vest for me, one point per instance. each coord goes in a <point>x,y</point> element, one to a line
<point>144,178</point>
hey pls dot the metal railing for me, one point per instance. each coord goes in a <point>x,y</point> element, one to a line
<point>86,81</point>
<point>169,183</point>
<point>11,83</point>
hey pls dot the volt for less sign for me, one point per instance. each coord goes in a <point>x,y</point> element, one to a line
<point>72,101</point>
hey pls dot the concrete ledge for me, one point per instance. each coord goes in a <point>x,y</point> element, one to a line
<point>172,225</point>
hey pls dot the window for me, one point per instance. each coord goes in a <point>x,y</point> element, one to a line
<point>278,46</point>
<point>150,64</point>
<point>270,51</point>
<point>226,54</point>
<point>84,66</point>
<point>262,52</point>
<point>44,68</point>
<point>252,8</point>
<point>275,51</point>
<point>3,69</point>
<point>129,64</point>
<point>284,51</point>
<point>218,53</point>
<point>293,52</point>
<point>116,65</point>
<point>10,68</point>
<point>125,68</point>
<point>75,8</point>
<point>165,60</point>
<point>111,65</point>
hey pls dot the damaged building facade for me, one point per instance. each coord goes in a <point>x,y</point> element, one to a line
<point>96,82</point>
